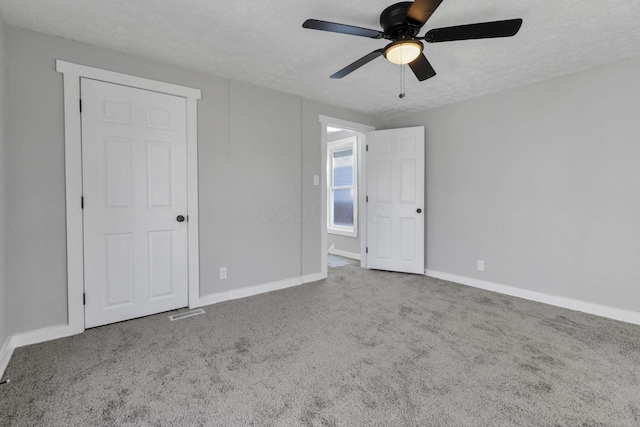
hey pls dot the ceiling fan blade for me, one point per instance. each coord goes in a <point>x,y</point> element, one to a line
<point>422,68</point>
<point>484,30</point>
<point>359,63</point>
<point>421,11</point>
<point>333,27</point>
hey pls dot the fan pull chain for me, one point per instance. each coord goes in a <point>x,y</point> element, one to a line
<point>402,72</point>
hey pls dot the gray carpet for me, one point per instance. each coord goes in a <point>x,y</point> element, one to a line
<point>361,348</point>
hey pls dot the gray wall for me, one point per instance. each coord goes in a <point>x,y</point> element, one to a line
<point>4,330</point>
<point>539,182</point>
<point>542,183</point>
<point>258,150</point>
<point>344,243</point>
<point>265,178</point>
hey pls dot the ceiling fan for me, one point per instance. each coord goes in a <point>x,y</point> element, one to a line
<point>401,23</point>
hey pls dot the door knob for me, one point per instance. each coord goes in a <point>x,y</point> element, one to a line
<point>180,218</point>
<point>419,210</point>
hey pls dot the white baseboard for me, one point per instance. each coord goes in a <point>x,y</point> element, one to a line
<point>6,351</point>
<point>61,331</point>
<point>42,335</point>
<point>257,289</point>
<point>264,288</point>
<point>308,278</point>
<point>572,304</point>
<point>352,255</point>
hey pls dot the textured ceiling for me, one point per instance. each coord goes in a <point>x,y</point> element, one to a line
<point>264,43</point>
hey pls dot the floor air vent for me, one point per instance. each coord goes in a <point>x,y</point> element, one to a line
<point>186,314</point>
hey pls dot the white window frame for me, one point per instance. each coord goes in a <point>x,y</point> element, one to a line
<point>350,142</point>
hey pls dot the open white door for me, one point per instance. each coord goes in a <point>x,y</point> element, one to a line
<point>135,202</point>
<point>396,194</point>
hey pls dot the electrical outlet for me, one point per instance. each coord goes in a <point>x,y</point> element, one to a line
<point>223,273</point>
<point>480,265</point>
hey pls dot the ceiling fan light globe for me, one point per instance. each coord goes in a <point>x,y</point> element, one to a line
<point>403,52</point>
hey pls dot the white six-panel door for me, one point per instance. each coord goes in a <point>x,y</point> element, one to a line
<point>134,188</point>
<point>395,210</point>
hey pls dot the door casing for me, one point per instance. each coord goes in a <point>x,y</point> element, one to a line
<point>73,182</point>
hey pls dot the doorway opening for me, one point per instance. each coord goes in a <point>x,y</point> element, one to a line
<point>390,208</point>
<point>342,196</point>
<point>343,238</point>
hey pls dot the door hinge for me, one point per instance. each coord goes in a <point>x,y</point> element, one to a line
<point>367,250</point>
<point>367,147</point>
<point>81,105</point>
<point>82,202</point>
<point>84,298</point>
<point>367,199</point>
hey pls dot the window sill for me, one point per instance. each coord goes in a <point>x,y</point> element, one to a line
<point>343,232</point>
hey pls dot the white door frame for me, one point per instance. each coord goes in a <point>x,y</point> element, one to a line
<point>361,130</point>
<point>73,179</point>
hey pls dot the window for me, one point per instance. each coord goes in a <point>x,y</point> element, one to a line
<point>342,215</point>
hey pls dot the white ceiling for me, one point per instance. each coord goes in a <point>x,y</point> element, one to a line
<point>264,43</point>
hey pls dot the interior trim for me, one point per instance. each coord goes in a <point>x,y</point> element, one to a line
<point>65,67</point>
<point>351,255</point>
<point>250,291</point>
<point>6,351</point>
<point>72,73</point>
<point>570,303</point>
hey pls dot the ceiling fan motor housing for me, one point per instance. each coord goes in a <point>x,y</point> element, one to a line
<point>393,21</point>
